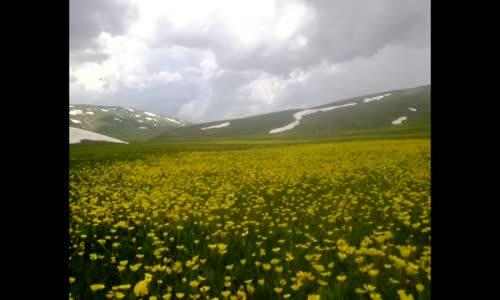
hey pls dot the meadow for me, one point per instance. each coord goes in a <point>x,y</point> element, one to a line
<point>333,220</point>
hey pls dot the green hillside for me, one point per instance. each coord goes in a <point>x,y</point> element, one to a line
<point>122,123</point>
<point>373,117</point>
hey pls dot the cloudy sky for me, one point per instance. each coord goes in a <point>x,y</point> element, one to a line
<point>210,60</point>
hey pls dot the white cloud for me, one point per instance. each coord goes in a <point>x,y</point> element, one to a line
<point>293,15</point>
<point>206,60</point>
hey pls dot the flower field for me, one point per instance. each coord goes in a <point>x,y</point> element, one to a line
<point>315,221</point>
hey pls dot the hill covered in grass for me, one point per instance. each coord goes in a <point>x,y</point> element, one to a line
<point>396,112</point>
<point>126,124</point>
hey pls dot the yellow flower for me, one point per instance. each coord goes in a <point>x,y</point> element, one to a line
<point>278,269</point>
<point>96,287</point>
<point>305,276</point>
<point>135,267</point>
<point>141,288</point>
<point>226,294</point>
<point>278,290</point>
<point>367,288</point>
<point>341,278</point>
<point>204,289</point>
<point>194,283</point>
<point>406,250</point>
<point>275,261</point>
<point>153,298</point>
<point>250,288</point>
<point>229,267</point>
<point>313,297</point>
<point>119,295</point>
<point>222,248</point>
<point>403,296</point>
<point>297,286</point>
<point>243,261</point>
<point>177,267</point>
<point>420,287</point>
<point>319,268</point>
<point>282,282</point>
<point>72,279</point>
<point>286,296</point>
<point>394,281</point>
<point>373,272</point>
<point>179,295</point>
<point>322,283</point>
<point>375,296</point>
<point>266,267</point>
<point>260,281</point>
<point>122,287</point>
<point>167,296</point>
<point>241,294</point>
<point>276,250</point>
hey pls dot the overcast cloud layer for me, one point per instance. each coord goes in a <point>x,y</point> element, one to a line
<point>219,59</point>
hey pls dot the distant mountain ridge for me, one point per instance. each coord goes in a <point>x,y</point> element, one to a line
<point>121,123</point>
<point>389,111</point>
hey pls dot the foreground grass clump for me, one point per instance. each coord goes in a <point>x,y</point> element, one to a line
<point>320,221</point>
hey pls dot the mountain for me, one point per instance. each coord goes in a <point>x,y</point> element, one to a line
<point>397,112</point>
<point>121,123</point>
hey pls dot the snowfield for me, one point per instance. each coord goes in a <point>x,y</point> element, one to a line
<point>376,98</point>
<point>399,120</point>
<point>216,126</point>
<point>76,135</point>
<point>299,115</point>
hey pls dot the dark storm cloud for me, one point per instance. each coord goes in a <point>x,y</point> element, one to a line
<point>340,31</point>
<point>349,29</point>
<point>88,18</point>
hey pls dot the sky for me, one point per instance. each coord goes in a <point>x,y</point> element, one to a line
<point>212,60</point>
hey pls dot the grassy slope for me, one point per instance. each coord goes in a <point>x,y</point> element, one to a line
<point>126,130</point>
<point>107,152</point>
<point>375,115</point>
